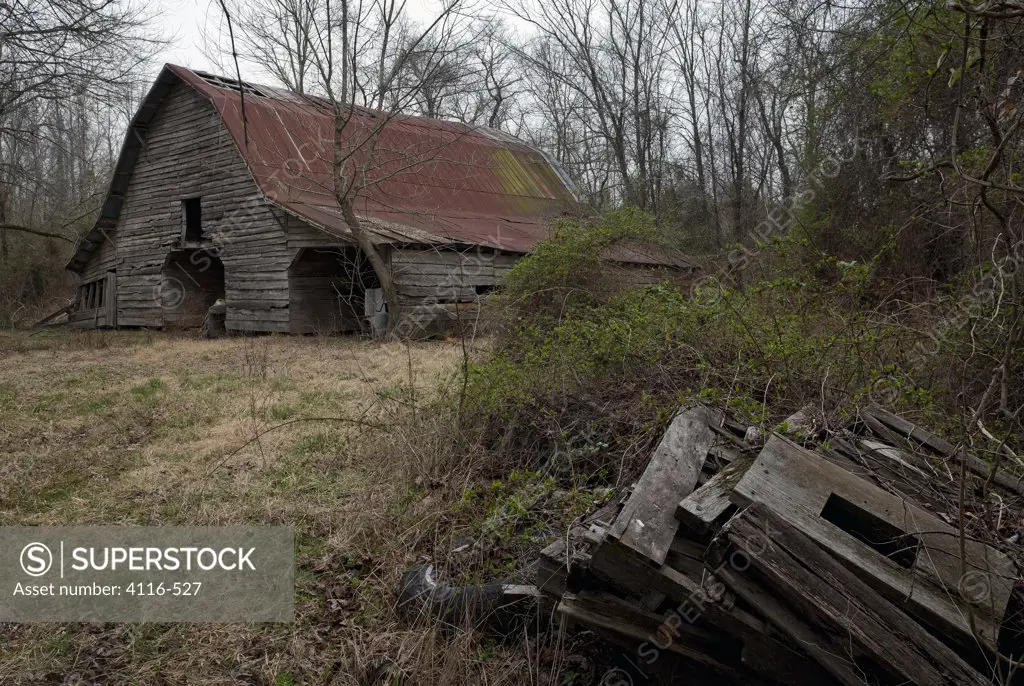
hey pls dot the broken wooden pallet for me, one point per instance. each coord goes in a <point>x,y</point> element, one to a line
<point>647,523</point>
<point>905,552</point>
<point>859,629</point>
<point>857,533</point>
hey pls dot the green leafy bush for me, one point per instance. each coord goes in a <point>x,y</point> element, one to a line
<point>586,389</point>
<point>568,270</point>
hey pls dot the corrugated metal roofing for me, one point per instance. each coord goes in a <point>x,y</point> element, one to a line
<point>631,251</point>
<point>421,180</point>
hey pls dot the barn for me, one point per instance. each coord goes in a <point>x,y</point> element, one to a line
<point>224,190</point>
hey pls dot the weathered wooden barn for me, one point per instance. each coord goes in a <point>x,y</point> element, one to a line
<point>209,203</point>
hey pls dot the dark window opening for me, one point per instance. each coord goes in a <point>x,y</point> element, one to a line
<point>484,289</point>
<point>193,211</point>
<point>867,527</point>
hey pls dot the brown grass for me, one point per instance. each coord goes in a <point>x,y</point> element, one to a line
<point>146,428</point>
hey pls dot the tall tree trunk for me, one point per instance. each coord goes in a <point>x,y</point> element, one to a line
<point>698,147</point>
<point>344,193</point>
<point>739,180</point>
<point>380,267</point>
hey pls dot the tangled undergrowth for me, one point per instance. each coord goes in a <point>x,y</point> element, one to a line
<point>584,376</point>
<point>481,452</point>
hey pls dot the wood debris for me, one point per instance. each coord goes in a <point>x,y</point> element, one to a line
<point>793,563</point>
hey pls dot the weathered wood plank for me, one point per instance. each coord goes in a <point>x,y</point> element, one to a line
<point>647,523</point>
<point>886,423</point>
<point>702,510</point>
<point>907,429</point>
<point>907,553</point>
<point>822,588</point>
<point>686,556</point>
<point>694,606</point>
<point>695,643</point>
<point>792,626</point>
<point>619,566</point>
<point>438,293</point>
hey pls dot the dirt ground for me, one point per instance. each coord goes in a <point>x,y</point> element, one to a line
<point>144,428</point>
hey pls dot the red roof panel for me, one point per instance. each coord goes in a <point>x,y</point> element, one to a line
<point>419,179</point>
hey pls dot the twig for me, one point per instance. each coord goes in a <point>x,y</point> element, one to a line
<point>34,232</point>
<point>264,432</point>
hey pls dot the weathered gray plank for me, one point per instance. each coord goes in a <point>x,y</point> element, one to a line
<point>908,429</point>
<point>647,523</point>
<point>686,556</point>
<point>617,564</point>
<point>702,510</point>
<point>692,642</point>
<point>798,485</point>
<point>886,423</point>
<point>822,589</point>
<point>794,627</point>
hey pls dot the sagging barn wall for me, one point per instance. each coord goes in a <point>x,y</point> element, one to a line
<point>189,154</point>
<point>441,290</point>
<point>96,297</point>
<point>328,284</point>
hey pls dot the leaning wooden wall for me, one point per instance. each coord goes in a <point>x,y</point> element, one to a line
<point>95,301</point>
<point>99,270</point>
<point>188,154</point>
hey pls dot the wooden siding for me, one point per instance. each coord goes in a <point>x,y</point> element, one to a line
<point>429,275</point>
<point>304,235</point>
<point>96,302</point>
<point>103,260</point>
<point>441,290</point>
<point>189,153</point>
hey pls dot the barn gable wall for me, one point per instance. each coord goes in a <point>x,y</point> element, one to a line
<point>189,153</point>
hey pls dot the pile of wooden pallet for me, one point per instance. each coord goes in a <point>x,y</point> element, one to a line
<point>737,560</point>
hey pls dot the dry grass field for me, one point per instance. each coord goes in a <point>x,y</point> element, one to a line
<point>143,428</point>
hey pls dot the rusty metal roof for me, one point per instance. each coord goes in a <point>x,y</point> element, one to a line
<point>421,180</point>
<point>642,253</point>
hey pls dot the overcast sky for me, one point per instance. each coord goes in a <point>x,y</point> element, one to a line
<point>183,22</point>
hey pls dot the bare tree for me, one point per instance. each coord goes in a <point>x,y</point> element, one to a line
<point>275,36</point>
<point>689,31</point>
<point>615,56</point>
<point>349,42</point>
<point>69,71</point>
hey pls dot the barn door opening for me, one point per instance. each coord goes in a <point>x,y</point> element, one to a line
<point>192,280</point>
<point>327,290</point>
